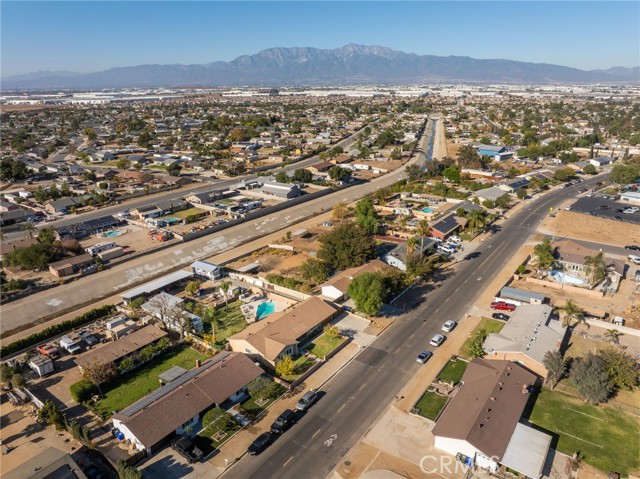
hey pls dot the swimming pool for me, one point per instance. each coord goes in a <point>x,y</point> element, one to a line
<point>265,309</point>
<point>111,234</point>
<point>427,210</point>
<point>562,277</point>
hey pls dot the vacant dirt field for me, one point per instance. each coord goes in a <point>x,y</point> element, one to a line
<point>590,228</point>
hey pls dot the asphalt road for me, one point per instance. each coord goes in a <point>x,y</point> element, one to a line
<point>128,274</point>
<point>355,397</point>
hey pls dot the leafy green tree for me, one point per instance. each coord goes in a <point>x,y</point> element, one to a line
<point>123,164</point>
<point>563,174</point>
<point>476,348</point>
<point>503,201</point>
<point>346,246</point>
<point>127,472</point>
<point>314,269</point>
<point>302,176</point>
<point>590,376</point>
<point>385,138</point>
<point>285,366</point>
<point>282,177</point>
<point>11,169</point>
<point>82,391</point>
<point>367,291</point>
<point>47,235</point>
<point>622,369</point>
<point>366,215</point>
<point>51,414</point>
<point>98,373</point>
<point>193,287</point>
<point>452,173</point>
<point>332,332</point>
<point>572,312</point>
<point>91,133</point>
<point>521,193</point>
<point>556,367</point>
<point>589,169</point>
<point>625,174</point>
<point>468,157</point>
<point>339,211</point>
<point>337,173</point>
<point>174,169</point>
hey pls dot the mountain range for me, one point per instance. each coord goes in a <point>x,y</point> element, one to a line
<point>352,64</point>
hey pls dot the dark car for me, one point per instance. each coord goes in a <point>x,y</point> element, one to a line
<point>633,247</point>
<point>283,422</point>
<point>186,449</point>
<point>88,338</point>
<point>307,400</point>
<point>262,442</point>
<point>504,317</point>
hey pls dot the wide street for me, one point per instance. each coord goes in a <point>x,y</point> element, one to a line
<point>125,275</point>
<point>354,398</point>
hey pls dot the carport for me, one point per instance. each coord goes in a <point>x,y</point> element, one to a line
<point>527,451</point>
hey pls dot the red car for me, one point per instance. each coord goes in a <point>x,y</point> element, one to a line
<point>502,306</point>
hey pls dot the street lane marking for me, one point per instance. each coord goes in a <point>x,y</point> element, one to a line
<point>361,387</point>
<point>341,408</point>
<point>411,337</point>
<point>288,461</point>
<point>315,434</point>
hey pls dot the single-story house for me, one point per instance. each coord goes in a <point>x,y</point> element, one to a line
<point>490,150</point>
<point>397,257</point>
<point>113,353</point>
<point>321,167</point>
<point>481,424</point>
<point>336,287</point>
<point>47,464</point>
<point>570,257</point>
<point>447,225</point>
<point>68,266</point>
<point>157,285</point>
<point>601,161</point>
<point>281,333</point>
<point>489,194</point>
<point>514,185</point>
<point>83,229</point>
<point>578,165</point>
<point>176,407</point>
<point>6,248</point>
<point>63,205</point>
<point>206,270</point>
<point>525,339</point>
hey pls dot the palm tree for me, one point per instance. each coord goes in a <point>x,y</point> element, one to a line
<point>423,230</point>
<point>613,335</point>
<point>411,246</point>
<point>573,312</point>
<point>29,228</point>
<point>477,220</point>
<point>224,287</point>
<point>544,256</point>
<point>596,267</point>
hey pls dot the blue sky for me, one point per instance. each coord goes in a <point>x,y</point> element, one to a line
<point>90,36</point>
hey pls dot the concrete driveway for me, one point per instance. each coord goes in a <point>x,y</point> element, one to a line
<point>355,327</point>
<point>168,464</point>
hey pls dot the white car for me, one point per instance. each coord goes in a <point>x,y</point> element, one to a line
<point>448,326</point>
<point>455,239</point>
<point>437,340</point>
<point>634,259</point>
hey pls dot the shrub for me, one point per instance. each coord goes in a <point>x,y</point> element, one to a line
<point>82,391</point>
<point>285,366</point>
<point>57,329</point>
<point>284,281</point>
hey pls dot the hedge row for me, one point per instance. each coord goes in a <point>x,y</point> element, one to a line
<point>57,329</point>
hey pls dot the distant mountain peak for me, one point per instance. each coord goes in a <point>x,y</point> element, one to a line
<point>351,64</point>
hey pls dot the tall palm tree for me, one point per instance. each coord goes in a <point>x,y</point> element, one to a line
<point>573,312</point>
<point>423,230</point>
<point>224,287</point>
<point>613,335</point>
<point>411,246</point>
<point>29,228</point>
<point>596,267</point>
<point>477,220</point>
<point>544,256</point>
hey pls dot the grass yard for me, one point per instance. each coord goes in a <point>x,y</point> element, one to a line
<point>608,439</point>
<point>254,408</point>
<point>300,366</point>
<point>453,371</point>
<point>489,325</point>
<point>430,405</point>
<point>323,345</point>
<point>183,214</point>
<point>137,384</point>
<point>228,321</point>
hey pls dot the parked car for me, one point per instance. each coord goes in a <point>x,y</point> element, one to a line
<point>502,306</point>
<point>634,259</point>
<point>502,316</point>
<point>448,326</point>
<point>437,340</point>
<point>307,400</point>
<point>633,247</point>
<point>88,338</point>
<point>186,449</point>
<point>424,356</point>
<point>262,442</point>
<point>283,422</point>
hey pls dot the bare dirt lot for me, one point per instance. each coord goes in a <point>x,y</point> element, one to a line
<point>591,228</point>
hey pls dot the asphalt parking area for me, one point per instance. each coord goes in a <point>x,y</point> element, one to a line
<point>605,208</point>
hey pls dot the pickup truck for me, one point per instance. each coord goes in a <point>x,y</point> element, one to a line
<point>186,449</point>
<point>49,350</point>
<point>69,345</point>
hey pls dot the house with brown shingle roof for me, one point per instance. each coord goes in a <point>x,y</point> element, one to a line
<point>336,287</point>
<point>176,407</point>
<point>282,333</point>
<point>482,422</point>
<point>570,257</point>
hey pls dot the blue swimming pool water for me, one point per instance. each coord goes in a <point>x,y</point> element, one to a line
<point>111,234</point>
<point>562,277</point>
<point>427,210</point>
<point>265,309</point>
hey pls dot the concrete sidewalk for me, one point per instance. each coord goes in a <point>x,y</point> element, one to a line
<point>236,447</point>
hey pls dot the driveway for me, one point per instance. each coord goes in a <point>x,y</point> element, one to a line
<point>168,464</point>
<point>355,326</point>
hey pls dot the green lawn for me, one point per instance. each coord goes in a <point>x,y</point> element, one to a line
<point>323,345</point>
<point>300,365</point>
<point>430,405</point>
<point>608,439</point>
<point>453,371</point>
<point>183,214</point>
<point>254,408</point>
<point>489,325</point>
<point>228,321</point>
<point>137,384</point>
